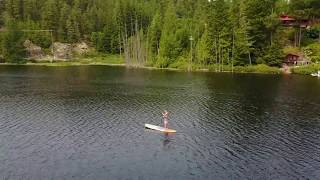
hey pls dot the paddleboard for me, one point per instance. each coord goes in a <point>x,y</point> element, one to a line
<point>158,128</point>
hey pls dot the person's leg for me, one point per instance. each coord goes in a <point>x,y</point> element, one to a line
<point>165,123</point>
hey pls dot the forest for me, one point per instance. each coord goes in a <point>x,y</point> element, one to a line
<point>167,33</point>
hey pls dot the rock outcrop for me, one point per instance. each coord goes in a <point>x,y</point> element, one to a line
<point>33,51</point>
<point>81,48</point>
<point>62,51</point>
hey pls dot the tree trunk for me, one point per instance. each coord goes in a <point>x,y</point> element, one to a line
<point>228,56</point>
<point>216,54</point>
<point>232,56</point>
<point>219,56</point>
<point>219,50</point>
<point>52,49</point>
<point>222,59</point>
<point>295,39</point>
<point>300,36</point>
<point>120,48</point>
<point>191,55</point>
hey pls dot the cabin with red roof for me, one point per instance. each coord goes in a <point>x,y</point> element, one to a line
<point>295,59</point>
<point>291,21</point>
<point>287,20</point>
<point>292,58</point>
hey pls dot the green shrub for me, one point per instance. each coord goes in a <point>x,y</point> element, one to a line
<point>181,63</point>
<point>306,70</point>
<point>216,67</point>
<point>149,63</point>
<point>290,49</point>
<point>273,56</point>
<point>313,51</point>
<point>162,62</point>
<point>261,68</point>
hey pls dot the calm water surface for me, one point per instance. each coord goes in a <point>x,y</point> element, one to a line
<point>88,123</point>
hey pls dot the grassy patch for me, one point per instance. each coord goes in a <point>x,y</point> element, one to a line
<point>97,59</point>
<point>261,68</point>
<point>107,59</point>
<point>180,65</point>
<point>102,59</point>
<point>306,70</point>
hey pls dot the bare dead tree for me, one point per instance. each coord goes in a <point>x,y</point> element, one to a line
<point>135,49</point>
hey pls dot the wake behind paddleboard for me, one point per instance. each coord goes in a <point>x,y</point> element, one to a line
<point>158,128</point>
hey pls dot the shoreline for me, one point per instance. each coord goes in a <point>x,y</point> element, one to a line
<point>204,70</point>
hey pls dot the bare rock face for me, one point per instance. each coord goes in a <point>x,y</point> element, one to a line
<point>81,48</point>
<point>33,51</point>
<point>62,51</point>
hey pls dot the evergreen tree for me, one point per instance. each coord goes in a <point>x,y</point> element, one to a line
<point>2,9</point>
<point>64,17</point>
<point>97,39</point>
<point>50,16</point>
<point>168,42</point>
<point>259,11</point>
<point>154,34</point>
<point>224,31</point>
<point>219,31</point>
<point>202,51</point>
<point>13,8</point>
<point>241,40</point>
<point>273,55</point>
<point>12,44</point>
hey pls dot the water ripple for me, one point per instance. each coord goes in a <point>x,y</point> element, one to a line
<point>87,123</point>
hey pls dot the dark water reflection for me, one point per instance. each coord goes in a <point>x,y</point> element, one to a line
<point>87,123</point>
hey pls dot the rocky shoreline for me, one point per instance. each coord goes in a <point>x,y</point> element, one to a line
<point>57,52</point>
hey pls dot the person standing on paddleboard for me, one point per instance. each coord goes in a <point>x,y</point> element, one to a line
<point>165,119</point>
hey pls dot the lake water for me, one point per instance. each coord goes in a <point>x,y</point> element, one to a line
<point>88,123</point>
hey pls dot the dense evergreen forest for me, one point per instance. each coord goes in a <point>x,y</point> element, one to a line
<point>165,33</point>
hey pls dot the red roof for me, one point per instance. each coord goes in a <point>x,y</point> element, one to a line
<point>293,54</point>
<point>286,18</point>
